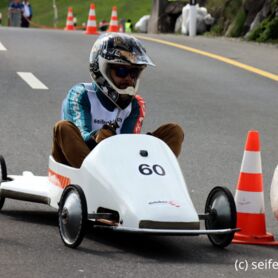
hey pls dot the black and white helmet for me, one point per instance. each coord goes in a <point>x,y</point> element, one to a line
<point>116,48</point>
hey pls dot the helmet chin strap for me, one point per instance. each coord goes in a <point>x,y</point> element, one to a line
<point>132,91</point>
<point>129,91</point>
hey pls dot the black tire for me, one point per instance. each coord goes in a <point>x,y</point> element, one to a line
<point>3,177</point>
<point>2,201</point>
<point>72,216</point>
<point>3,174</point>
<point>220,206</point>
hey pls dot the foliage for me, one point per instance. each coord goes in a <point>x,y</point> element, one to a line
<point>266,31</point>
<point>235,29</point>
<point>231,17</point>
<point>224,12</point>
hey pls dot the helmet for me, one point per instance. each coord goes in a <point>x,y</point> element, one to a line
<point>116,48</point>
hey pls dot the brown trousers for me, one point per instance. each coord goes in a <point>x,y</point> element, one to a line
<point>69,147</point>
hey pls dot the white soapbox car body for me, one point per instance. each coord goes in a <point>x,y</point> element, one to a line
<point>130,183</point>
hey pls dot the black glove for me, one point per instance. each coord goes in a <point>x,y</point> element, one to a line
<point>106,131</point>
<point>112,127</point>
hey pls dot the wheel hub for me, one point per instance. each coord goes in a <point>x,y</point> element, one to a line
<point>71,217</point>
<point>65,215</point>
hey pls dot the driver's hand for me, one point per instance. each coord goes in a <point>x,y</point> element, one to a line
<point>105,132</point>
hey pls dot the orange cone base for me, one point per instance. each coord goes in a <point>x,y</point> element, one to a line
<point>253,230</point>
<point>112,29</point>
<point>69,28</point>
<point>91,32</point>
<point>266,240</point>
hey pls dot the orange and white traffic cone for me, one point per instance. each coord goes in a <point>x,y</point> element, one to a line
<point>91,28</point>
<point>249,197</point>
<point>121,28</point>
<point>113,26</point>
<point>69,23</point>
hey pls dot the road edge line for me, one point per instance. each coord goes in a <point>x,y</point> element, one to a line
<point>232,62</point>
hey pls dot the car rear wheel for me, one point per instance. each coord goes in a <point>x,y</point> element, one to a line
<point>3,177</point>
<point>73,216</point>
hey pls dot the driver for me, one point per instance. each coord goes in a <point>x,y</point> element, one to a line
<point>110,104</point>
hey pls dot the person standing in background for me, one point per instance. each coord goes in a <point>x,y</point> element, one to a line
<point>15,11</point>
<point>27,14</point>
<point>128,26</point>
<point>103,25</point>
<point>74,21</point>
<point>122,24</point>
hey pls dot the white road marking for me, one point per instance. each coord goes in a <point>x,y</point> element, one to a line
<point>2,47</point>
<point>32,80</point>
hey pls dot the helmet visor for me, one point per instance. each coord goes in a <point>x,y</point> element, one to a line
<point>135,57</point>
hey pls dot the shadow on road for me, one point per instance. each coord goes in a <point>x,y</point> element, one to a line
<point>176,249</point>
<point>169,249</point>
<point>162,249</point>
<point>39,217</point>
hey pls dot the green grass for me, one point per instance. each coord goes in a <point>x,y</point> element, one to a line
<point>44,14</point>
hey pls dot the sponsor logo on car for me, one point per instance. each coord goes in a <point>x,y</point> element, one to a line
<point>159,202</point>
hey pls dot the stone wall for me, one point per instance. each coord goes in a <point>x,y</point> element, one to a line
<point>164,15</point>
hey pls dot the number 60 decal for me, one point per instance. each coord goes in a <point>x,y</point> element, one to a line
<point>147,170</point>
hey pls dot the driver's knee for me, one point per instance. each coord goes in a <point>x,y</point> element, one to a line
<point>59,131</point>
<point>64,128</point>
<point>172,134</point>
<point>69,146</point>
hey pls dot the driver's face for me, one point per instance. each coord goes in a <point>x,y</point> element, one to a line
<point>124,76</point>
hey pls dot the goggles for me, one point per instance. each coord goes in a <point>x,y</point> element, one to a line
<point>123,72</point>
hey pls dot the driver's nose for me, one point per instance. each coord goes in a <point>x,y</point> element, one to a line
<point>130,80</point>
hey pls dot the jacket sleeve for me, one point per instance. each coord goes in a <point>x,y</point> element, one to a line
<point>77,109</point>
<point>133,123</point>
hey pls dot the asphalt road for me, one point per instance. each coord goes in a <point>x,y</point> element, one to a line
<point>215,103</point>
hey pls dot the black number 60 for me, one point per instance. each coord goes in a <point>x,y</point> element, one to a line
<point>147,170</point>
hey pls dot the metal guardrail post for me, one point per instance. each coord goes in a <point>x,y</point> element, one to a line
<point>55,19</point>
<point>192,18</point>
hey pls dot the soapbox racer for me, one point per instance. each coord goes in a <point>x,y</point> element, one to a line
<point>130,183</point>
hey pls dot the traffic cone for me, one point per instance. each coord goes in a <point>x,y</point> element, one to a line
<point>69,23</point>
<point>249,197</point>
<point>121,28</point>
<point>113,26</point>
<point>91,28</point>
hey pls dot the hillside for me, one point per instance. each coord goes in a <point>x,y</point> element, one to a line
<point>44,13</point>
<point>252,19</point>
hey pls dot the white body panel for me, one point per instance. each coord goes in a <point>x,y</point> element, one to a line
<point>27,184</point>
<point>110,178</point>
<point>117,183</point>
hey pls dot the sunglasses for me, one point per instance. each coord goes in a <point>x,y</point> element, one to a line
<point>123,72</point>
